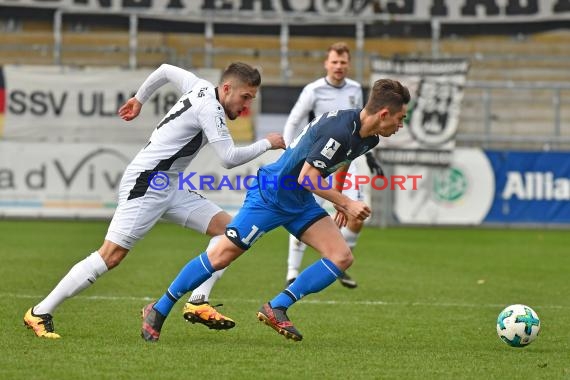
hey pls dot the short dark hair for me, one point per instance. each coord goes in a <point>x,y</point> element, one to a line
<point>387,93</point>
<point>243,73</point>
<point>339,48</point>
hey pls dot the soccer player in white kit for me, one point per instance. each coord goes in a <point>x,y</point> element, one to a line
<point>333,92</point>
<point>149,188</point>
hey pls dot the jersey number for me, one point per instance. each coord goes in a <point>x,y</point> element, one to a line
<point>254,231</point>
<point>300,136</point>
<point>185,106</point>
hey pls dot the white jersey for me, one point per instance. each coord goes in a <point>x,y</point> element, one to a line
<point>196,119</point>
<point>320,97</point>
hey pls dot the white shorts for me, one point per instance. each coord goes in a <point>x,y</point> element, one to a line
<point>133,218</point>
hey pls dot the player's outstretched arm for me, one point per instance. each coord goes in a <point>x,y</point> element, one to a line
<point>232,156</point>
<point>276,140</point>
<point>181,79</point>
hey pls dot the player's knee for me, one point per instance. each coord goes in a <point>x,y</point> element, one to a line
<point>343,259</point>
<point>219,262</point>
<point>115,259</point>
<point>223,253</point>
<point>112,256</point>
<point>216,257</point>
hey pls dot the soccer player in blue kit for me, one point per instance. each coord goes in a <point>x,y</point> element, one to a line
<point>283,196</point>
<point>334,91</point>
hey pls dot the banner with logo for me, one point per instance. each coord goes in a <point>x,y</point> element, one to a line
<point>81,180</point>
<point>51,103</point>
<point>436,88</point>
<point>57,180</point>
<point>321,10</point>
<point>460,194</point>
<point>531,187</point>
<point>482,187</point>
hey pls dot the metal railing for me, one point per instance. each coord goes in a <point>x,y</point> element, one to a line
<point>516,115</point>
<point>492,110</point>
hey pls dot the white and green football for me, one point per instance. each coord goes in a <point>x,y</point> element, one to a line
<point>518,325</point>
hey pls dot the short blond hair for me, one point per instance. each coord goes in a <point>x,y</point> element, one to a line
<point>339,48</point>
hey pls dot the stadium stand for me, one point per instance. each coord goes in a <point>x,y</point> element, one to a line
<point>26,41</point>
<point>540,59</point>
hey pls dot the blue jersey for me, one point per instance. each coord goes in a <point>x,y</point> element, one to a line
<point>327,143</point>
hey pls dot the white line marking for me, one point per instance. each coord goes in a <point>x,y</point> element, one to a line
<point>309,301</point>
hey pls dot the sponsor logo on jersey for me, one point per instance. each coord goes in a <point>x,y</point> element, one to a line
<point>330,148</point>
<point>232,233</point>
<point>221,126</point>
<point>220,122</point>
<point>319,164</point>
<point>352,101</point>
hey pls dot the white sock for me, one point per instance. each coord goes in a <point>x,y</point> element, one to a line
<point>296,252</point>
<point>202,292</point>
<point>349,236</point>
<point>81,276</point>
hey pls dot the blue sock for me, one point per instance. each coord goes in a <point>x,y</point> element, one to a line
<point>313,279</point>
<point>190,277</point>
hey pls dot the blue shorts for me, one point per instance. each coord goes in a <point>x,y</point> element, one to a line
<point>256,217</point>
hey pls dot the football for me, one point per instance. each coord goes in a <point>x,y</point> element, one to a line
<point>518,325</point>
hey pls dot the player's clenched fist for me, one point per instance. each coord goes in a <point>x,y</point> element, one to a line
<point>276,140</point>
<point>359,210</point>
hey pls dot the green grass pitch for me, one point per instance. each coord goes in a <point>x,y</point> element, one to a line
<point>425,308</point>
